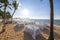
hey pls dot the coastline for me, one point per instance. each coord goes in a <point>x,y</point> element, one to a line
<point>55,26</point>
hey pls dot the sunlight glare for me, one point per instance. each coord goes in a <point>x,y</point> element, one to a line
<point>25,12</point>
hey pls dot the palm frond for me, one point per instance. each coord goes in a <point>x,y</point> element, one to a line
<point>10,4</point>
<point>9,7</point>
<point>2,1</point>
<point>15,5</point>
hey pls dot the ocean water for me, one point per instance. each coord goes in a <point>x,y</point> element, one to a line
<point>41,21</point>
<point>45,21</point>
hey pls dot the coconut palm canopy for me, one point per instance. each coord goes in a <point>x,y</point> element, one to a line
<point>5,3</point>
<point>2,1</point>
<point>8,15</point>
<point>15,4</point>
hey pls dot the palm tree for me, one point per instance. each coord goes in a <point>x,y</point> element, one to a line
<point>15,5</point>
<point>5,4</point>
<point>8,16</point>
<point>51,37</point>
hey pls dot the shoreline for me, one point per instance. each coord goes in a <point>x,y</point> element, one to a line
<point>55,25</point>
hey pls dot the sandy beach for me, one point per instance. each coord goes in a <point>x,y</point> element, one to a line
<point>14,32</point>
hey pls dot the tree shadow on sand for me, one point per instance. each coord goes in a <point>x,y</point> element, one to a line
<point>27,36</point>
<point>18,27</point>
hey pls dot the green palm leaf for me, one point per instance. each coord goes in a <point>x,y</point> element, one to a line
<point>3,1</point>
<point>15,5</point>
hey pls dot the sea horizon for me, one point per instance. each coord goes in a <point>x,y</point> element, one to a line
<point>41,21</point>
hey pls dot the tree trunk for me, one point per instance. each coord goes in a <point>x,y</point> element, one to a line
<point>51,36</point>
<point>4,25</point>
<point>4,16</point>
<point>11,19</point>
<point>12,16</point>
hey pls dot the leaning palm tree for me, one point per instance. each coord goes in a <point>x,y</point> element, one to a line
<point>8,16</point>
<point>51,37</point>
<point>5,4</point>
<point>15,5</point>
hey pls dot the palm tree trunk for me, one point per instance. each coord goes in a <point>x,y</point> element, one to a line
<point>4,25</point>
<point>12,16</point>
<point>51,37</point>
<point>4,15</point>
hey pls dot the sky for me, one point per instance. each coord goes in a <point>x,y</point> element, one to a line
<point>37,9</point>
